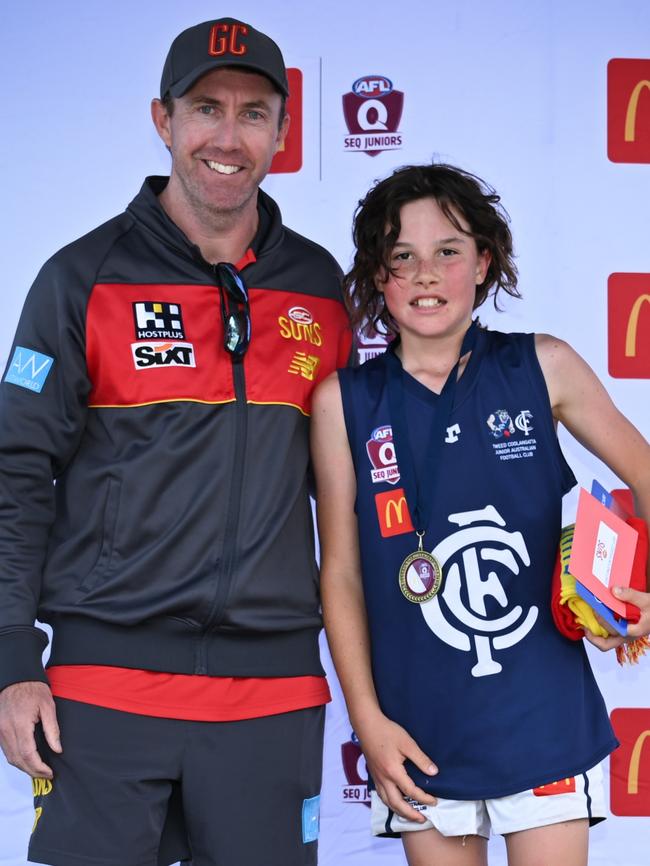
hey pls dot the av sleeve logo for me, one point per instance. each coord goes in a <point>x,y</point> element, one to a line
<point>372,111</point>
<point>628,324</point>
<point>29,369</point>
<point>630,763</point>
<point>289,158</point>
<point>628,110</point>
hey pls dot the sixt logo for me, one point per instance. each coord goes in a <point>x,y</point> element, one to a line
<point>372,85</point>
<point>148,355</point>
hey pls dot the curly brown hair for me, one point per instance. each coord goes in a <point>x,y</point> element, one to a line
<point>376,229</point>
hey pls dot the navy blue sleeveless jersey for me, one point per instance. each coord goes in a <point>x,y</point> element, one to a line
<point>478,675</point>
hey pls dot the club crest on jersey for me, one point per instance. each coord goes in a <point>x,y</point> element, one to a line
<point>524,421</point>
<point>381,453</point>
<point>299,325</point>
<point>158,320</point>
<point>500,424</point>
<point>148,356</point>
<point>508,443</point>
<point>482,609</point>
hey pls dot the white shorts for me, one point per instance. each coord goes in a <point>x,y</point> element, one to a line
<point>579,797</point>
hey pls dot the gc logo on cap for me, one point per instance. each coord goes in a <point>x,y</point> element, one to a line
<point>223,42</point>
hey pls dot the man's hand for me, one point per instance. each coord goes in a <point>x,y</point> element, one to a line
<point>386,745</point>
<point>22,706</point>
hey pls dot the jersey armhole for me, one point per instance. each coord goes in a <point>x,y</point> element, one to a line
<point>538,382</point>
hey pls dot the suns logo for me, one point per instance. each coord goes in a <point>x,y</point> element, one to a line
<point>299,325</point>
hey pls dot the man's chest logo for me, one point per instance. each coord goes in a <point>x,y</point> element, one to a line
<point>158,320</point>
<point>161,335</point>
<point>299,325</point>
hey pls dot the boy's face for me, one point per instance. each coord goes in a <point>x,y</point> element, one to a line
<point>436,269</point>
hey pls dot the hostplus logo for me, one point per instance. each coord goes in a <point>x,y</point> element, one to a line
<point>158,320</point>
<point>159,328</point>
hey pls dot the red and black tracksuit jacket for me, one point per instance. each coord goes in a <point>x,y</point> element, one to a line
<point>178,535</point>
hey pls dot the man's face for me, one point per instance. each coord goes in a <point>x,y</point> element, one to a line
<point>222,134</point>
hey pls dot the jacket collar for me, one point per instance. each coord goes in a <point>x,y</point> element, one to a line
<point>147,210</point>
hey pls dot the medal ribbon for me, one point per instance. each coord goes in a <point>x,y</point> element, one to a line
<point>420,497</point>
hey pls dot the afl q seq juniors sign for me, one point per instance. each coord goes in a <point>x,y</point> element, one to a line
<point>372,111</point>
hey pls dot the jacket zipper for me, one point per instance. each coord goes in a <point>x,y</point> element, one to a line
<point>232,519</point>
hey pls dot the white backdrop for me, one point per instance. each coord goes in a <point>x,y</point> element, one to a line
<point>514,92</point>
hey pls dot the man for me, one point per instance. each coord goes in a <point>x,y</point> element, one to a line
<point>162,374</point>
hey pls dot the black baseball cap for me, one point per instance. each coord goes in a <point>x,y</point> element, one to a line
<point>222,42</point>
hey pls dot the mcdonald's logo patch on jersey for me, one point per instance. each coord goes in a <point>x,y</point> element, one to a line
<point>629,768</point>
<point>563,786</point>
<point>628,110</point>
<point>393,513</point>
<point>289,158</point>
<point>628,325</point>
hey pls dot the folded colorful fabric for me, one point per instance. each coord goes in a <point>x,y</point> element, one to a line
<point>573,615</point>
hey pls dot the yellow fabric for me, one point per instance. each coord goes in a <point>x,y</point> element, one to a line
<point>629,652</point>
<point>582,612</point>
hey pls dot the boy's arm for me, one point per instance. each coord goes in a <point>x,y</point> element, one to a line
<point>581,403</point>
<point>385,744</point>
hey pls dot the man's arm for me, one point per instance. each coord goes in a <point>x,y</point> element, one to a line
<point>43,399</point>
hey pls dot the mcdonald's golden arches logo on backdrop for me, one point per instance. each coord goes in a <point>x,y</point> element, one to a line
<point>630,763</point>
<point>628,325</point>
<point>628,110</point>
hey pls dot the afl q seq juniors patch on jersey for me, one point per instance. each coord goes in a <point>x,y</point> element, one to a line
<point>477,673</point>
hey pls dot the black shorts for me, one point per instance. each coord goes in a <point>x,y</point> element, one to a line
<point>132,790</point>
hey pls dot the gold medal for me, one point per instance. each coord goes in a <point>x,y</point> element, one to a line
<point>420,575</point>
